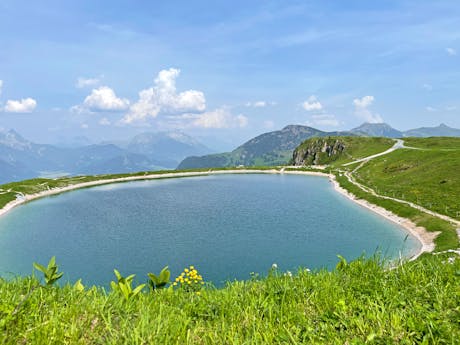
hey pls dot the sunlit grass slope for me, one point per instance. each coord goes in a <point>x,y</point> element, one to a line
<point>353,148</point>
<point>363,302</point>
<point>428,177</point>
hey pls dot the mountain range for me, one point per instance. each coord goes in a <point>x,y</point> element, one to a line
<point>21,159</point>
<point>272,148</point>
<point>275,148</point>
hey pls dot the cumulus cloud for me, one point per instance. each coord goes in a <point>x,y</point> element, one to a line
<point>219,118</point>
<point>163,98</point>
<point>105,99</point>
<point>324,120</point>
<point>312,104</point>
<point>1,86</point>
<point>362,111</point>
<point>451,51</point>
<point>86,82</point>
<point>26,105</point>
<point>104,122</point>
<point>363,102</point>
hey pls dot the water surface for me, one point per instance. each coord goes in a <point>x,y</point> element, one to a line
<point>225,225</point>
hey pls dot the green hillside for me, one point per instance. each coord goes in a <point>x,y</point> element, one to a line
<point>425,174</point>
<point>268,149</point>
<point>429,177</point>
<point>338,150</point>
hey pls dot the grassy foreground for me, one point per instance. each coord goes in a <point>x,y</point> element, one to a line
<point>361,302</point>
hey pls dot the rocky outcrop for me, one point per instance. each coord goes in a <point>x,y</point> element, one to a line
<point>318,151</point>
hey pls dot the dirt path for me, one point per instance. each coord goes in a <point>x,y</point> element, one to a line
<point>398,145</point>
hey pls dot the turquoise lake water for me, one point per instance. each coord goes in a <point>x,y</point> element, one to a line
<point>227,226</point>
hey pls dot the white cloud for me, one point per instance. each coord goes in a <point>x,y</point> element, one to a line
<point>220,118</point>
<point>104,122</point>
<point>105,99</point>
<point>363,102</point>
<point>324,120</point>
<point>26,105</point>
<point>84,126</point>
<point>431,109</point>
<point>451,51</point>
<point>451,108</point>
<point>312,104</point>
<point>163,98</point>
<point>362,111</point>
<point>1,86</point>
<point>86,82</point>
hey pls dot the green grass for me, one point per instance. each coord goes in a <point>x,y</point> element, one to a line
<point>448,238</point>
<point>365,302</point>
<point>433,143</point>
<point>355,148</point>
<point>428,178</point>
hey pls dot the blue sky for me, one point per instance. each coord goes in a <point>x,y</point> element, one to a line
<point>225,71</point>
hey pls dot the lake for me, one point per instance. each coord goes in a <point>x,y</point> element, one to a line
<point>227,226</point>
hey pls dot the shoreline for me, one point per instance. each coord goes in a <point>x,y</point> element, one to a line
<point>425,238</point>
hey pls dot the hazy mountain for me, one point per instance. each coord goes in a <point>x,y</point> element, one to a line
<point>77,141</point>
<point>272,148</point>
<point>440,131</point>
<point>377,130</point>
<point>14,172</point>
<point>123,163</point>
<point>168,147</point>
<point>21,158</point>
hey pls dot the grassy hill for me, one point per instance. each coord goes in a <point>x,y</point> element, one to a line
<point>268,149</point>
<point>333,150</point>
<point>428,176</point>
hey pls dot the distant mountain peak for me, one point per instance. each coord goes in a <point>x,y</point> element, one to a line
<point>13,139</point>
<point>381,129</point>
<point>440,131</point>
